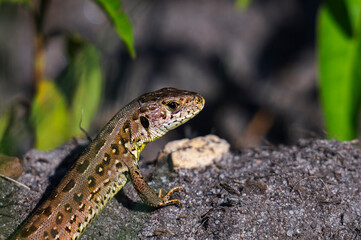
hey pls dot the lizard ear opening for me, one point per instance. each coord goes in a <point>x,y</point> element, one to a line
<point>144,121</point>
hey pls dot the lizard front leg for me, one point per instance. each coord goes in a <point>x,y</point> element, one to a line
<point>147,194</point>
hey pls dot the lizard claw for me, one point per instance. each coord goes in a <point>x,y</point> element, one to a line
<point>165,200</point>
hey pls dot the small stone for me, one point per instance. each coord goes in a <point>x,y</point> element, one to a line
<point>195,153</point>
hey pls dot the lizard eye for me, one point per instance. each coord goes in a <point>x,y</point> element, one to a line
<point>172,106</point>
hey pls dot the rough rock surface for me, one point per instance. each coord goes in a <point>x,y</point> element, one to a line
<point>307,191</point>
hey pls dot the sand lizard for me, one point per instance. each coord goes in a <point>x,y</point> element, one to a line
<point>108,163</point>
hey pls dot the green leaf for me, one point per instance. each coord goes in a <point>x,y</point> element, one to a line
<point>85,70</point>
<point>4,123</point>
<point>339,56</point>
<point>115,12</point>
<point>339,13</point>
<point>49,116</point>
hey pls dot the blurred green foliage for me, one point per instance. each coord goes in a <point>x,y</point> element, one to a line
<point>85,67</point>
<point>242,4</point>
<point>55,116</point>
<point>27,3</point>
<point>49,116</point>
<point>115,12</point>
<point>58,105</point>
<point>339,55</point>
<point>4,123</point>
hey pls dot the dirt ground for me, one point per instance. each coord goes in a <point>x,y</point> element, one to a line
<point>307,191</point>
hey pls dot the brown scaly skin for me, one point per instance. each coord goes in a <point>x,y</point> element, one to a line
<point>108,162</point>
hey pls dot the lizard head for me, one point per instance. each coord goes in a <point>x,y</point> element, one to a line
<point>164,110</point>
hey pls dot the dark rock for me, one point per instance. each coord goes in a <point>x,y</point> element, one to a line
<point>307,191</point>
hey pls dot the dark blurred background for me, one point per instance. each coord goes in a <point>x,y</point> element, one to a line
<point>256,67</point>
